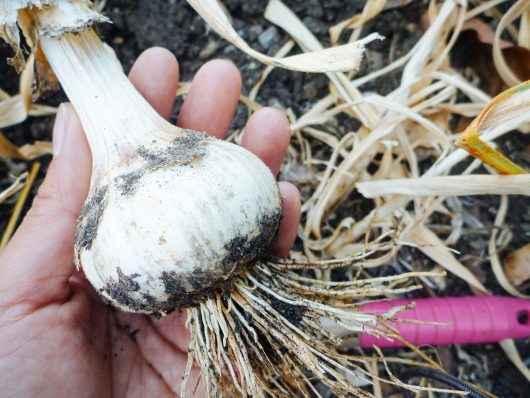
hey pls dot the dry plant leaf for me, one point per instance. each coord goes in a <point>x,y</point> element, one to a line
<point>7,149</point>
<point>517,265</point>
<point>512,353</point>
<point>9,9</point>
<point>35,150</point>
<point>496,265</point>
<point>518,60</point>
<point>25,152</point>
<point>524,30</point>
<point>371,9</point>
<point>14,187</point>
<point>477,39</point>
<point>429,243</point>
<point>476,184</point>
<point>342,88</point>
<point>507,111</point>
<point>387,122</point>
<point>12,111</point>
<point>9,30</point>
<point>19,205</point>
<point>282,52</point>
<point>341,58</point>
<point>485,33</point>
<point>515,11</point>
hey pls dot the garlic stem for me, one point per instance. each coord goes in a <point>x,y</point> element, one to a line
<point>116,118</point>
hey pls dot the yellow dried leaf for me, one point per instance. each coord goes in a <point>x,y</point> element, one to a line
<point>517,265</point>
<point>509,109</point>
<point>7,149</point>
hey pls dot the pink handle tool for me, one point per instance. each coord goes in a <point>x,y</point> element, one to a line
<point>471,320</point>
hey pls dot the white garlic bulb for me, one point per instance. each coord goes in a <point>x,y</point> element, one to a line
<point>165,229</point>
<point>172,214</point>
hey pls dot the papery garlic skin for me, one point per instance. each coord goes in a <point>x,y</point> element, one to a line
<point>158,233</point>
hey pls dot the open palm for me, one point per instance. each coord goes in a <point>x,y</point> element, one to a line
<point>57,338</point>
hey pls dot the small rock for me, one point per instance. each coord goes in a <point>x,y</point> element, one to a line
<point>254,32</point>
<point>315,26</point>
<point>297,173</point>
<point>310,89</point>
<point>275,103</point>
<point>374,59</point>
<point>268,38</point>
<point>208,50</point>
<point>118,40</point>
<point>478,244</point>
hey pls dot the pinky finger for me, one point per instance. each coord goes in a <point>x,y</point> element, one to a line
<point>291,217</point>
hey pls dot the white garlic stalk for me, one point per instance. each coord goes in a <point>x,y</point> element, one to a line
<point>175,218</point>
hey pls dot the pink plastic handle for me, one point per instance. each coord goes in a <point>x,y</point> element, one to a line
<point>472,320</point>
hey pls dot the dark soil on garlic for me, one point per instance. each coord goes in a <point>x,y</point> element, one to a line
<point>139,25</point>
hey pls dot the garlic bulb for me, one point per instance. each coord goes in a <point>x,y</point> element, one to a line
<point>172,214</point>
<point>213,208</point>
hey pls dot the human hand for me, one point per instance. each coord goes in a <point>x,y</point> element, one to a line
<point>58,338</point>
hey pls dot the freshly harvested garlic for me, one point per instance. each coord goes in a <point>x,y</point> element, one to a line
<point>172,214</point>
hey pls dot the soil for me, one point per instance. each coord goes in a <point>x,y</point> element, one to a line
<point>138,25</point>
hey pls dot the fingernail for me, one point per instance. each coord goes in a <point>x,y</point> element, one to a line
<point>59,130</point>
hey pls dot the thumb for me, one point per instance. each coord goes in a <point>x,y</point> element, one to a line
<point>40,253</point>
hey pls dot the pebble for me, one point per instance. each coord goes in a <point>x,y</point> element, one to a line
<point>268,38</point>
<point>209,49</point>
<point>253,32</point>
<point>275,103</point>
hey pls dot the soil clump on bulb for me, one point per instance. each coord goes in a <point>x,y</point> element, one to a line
<point>184,150</point>
<point>90,215</point>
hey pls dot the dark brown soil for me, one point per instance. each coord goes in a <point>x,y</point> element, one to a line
<point>139,25</point>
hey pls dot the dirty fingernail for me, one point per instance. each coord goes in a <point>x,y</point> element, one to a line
<point>59,129</point>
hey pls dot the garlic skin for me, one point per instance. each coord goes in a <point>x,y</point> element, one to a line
<point>166,228</point>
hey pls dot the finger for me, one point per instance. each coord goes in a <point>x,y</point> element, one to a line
<point>155,74</point>
<point>213,98</point>
<point>267,135</point>
<point>291,218</point>
<point>42,248</point>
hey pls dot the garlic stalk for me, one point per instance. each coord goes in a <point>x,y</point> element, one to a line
<point>175,218</point>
